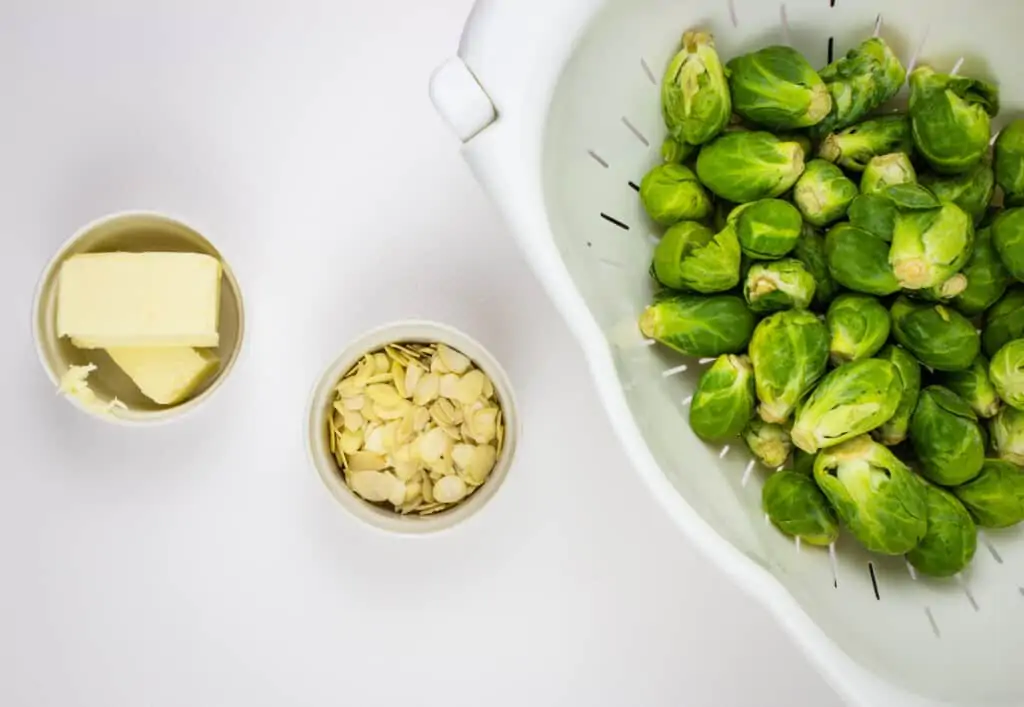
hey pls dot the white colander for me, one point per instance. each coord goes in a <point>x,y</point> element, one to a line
<point>557,102</point>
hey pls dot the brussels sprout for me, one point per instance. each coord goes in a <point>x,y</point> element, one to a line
<point>690,257</point>
<point>671,193</point>
<point>789,351</point>
<point>810,250</point>
<point>801,139</point>
<point>777,285</point>
<point>1008,435</point>
<point>946,437</point>
<point>699,326</point>
<point>886,171</point>
<point>944,292</point>
<point>724,401</point>
<point>860,82</point>
<point>856,146</point>
<point>952,537</point>
<point>777,88</point>
<point>996,497</point>
<point>940,338</point>
<point>1009,163</point>
<point>874,494</point>
<point>859,261</point>
<point>987,277</point>
<point>1007,373</point>
<point>803,462</point>
<point>894,431</point>
<point>1004,322</point>
<point>975,387</point>
<point>695,96</point>
<point>875,214</point>
<point>1008,238</point>
<point>859,327</point>
<point>769,443</point>
<point>972,191</point>
<point>912,197</point>
<point>823,193</point>
<point>767,229</point>
<point>850,401</point>
<point>745,167</point>
<point>950,117</point>
<point>796,506</point>
<point>929,247</point>
<point>675,152</point>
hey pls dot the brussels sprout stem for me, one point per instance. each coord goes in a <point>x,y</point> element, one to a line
<point>913,273</point>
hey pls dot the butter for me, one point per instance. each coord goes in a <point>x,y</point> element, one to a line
<point>166,375</point>
<point>135,300</point>
<point>75,384</point>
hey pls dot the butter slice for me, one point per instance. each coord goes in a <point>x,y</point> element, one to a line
<point>133,300</point>
<point>166,375</point>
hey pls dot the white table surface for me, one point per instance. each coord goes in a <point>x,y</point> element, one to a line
<point>203,563</point>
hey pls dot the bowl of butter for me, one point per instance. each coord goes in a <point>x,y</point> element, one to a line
<point>138,318</point>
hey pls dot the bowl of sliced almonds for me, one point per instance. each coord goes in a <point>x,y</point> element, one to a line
<point>413,427</point>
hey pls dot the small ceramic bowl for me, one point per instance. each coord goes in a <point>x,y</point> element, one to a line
<point>321,406</point>
<point>132,232</point>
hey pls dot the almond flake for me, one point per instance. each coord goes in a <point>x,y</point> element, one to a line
<point>453,360</point>
<point>413,374</point>
<point>450,489</point>
<point>427,389</point>
<point>353,420</point>
<point>350,442</point>
<point>366,461</point>
<point>373,486</point>
<point>469,388</point>
<point>433,445</point>
<point>449,386</point>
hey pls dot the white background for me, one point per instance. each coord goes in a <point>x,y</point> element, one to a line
<point>204,563</point>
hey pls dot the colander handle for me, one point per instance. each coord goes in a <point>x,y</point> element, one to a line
<point>460,99</point>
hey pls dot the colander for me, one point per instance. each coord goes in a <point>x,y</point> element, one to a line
<point>557,104</point>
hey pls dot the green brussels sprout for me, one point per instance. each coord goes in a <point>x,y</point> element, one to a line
<point>803,462</point>
<point>777,88</point>
<point>875,214</point>
<point>944,292</point>
<point>768,229</point>
<point>912,197</point>
<point>885,171</point>
<point>996,497</point>
<point>779,284</point>
<point>745,167</point>
<point>851,400</point>
<point>796,506</point>
<point>946,437</point>
<point>860,82</point>
<point>950,117</point>
<point>789,351</point>
<point>801,139</point>
<point>987,277</point>
<point>874,494</point>
<point>1008,238</point>
<point>1004,322</point>
<point>1009,163</point>
<point>856,146</point>
<point>1007,431</point>
<point>859,327</point>
<point>699,326</point>
<point>972,191</point>
<point>769,443</point>
<point>810,250</point>
<point>929,247</point>
<point>975,387</point>
<point>1007,373</point>
<point>940,338</point>
<point>859,261</point>
<point>894,430</point>
<point>675,152</point>
<point>724,401</point>
<point>823,193</point>
<point>695,96</point>
<point>671,193</point>
<point>951,540</point>
<point>690,257</point>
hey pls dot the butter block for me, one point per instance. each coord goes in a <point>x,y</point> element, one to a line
<point>134,300</point>
<point>166,375</point>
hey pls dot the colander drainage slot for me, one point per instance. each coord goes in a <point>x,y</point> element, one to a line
<point>967,591</point>
<point>835,565</point>
<point>597,158</point>
<point>647,70</point>
<point>732,13</point>
<point>874,580</point>
<point>634,186</point>
<point>931,620</point>
<point>615,221</point>
<point>673,371</point>
<point>747,473</point>
<point>636,131</point>
<point>831,48</point>
<point>991,548</point>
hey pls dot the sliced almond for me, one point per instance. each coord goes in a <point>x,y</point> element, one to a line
<point>441,413</point>
<point>406,466</point>
<point>453,360</point>
<point>406,428</point>
<point>373,486</point>
<point>437,365</point>
<point>432,445</point>
<point>355,402</point>
<point>481,465</point>
<point>353,420</point>
<point>413,374</point>
<point>387,412</point>
<point>427,489</point>
<point>366,461</point>
<point>470,388</point>
<point>398,377</point>
<point>427,389</point>
<point>463,454</point>
<point>488,388</point>
<point>449,387</point>
<point>450,489</point>
<point>396,496</point>
<point>484,425</point>
<point>412,492</point>
<point>453,432</point>
<point>385,395</point>
<point>443,467</point>
<point>421,418</point>
<point>350,442</point>
<point>382,363</point>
